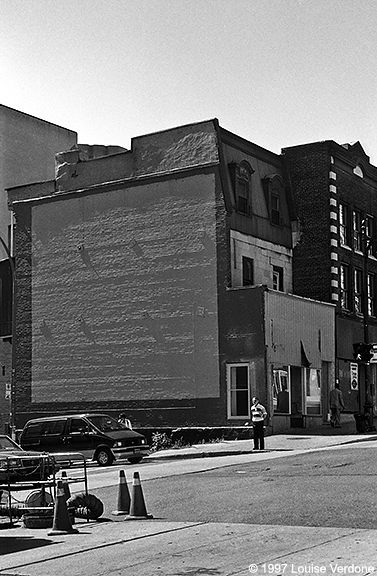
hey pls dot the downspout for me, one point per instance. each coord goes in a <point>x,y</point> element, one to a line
<point>13,352</point>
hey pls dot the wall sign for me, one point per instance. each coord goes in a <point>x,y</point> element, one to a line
<point>354,376</point>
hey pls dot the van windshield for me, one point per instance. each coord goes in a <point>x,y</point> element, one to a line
<point>105,423</point>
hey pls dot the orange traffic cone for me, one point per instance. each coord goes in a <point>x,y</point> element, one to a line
<point>62,522</point>
<point>67,491</point>
<point>123,496</point>
<point>138,510</point>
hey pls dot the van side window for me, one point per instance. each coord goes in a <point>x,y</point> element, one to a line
<point>78,425</point>
<point>33,430</point>
<point>54,427</point>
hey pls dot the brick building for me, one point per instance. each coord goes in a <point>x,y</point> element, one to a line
<point>335,187</point>
<point>27,149</point>
<point>158,282</point>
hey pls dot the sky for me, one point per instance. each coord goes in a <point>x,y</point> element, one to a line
<point>276,72</point>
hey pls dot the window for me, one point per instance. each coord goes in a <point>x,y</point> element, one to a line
<point>358,171</point>
<point>78,425</point>
<point>371,295</point>
<point>313,390</point>
<point>344,225</point>
<point>241,176</point>
<point>358,290</point>
<point>280,383</point>
<point>54,427</point>
<point>369,231</point>
<point>275,209</point>
<point>33,430</point>
<point>238,391</point>
<point>277,278</point>
<point>247,271</point>
<point>344,286</point>
<point>356,228</point>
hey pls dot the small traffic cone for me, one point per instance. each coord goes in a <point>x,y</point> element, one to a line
<point>138,510</point>
<point>67,491</point>
<point>123,496</point>
<point>62,522</point>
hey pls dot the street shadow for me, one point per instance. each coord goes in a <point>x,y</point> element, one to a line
<point>348,428</point>
<point>17,543</point>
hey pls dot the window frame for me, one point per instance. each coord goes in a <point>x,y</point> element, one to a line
<point>230,402</point>
<point>280,278</point>
<point>369,231</point>
<point>357,231</point>
<point>242,184</point>
<point>344,286</point>
<point>275,213</point>
<point>357,285</point>
<point>344,224</point>
<point>246,281</point>
<point>371,294</point>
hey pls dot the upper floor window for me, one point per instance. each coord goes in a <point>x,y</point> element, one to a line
<point>344,224</point>
<point>358,171</point>
<point>371,295</point>
<point>247,271</point>
<point>344,287</point>
<point>241,175</point>
<point>274,193</point>
<point>275,208</point>
<point>358,290</point>
<point>356,228</point>
<point>369,231</point>
<point>277,278</point>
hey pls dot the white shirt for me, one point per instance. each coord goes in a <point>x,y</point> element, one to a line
<point>258,413</point>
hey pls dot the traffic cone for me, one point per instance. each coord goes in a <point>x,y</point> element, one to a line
<point>138,510</point>
<point>67,491</point>
<point>123,496</point>
<point>62,522</point>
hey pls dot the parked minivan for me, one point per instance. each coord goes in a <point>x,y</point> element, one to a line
<point>97,436</point>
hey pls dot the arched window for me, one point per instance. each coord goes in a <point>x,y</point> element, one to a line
<point>274,193</point>
<point>241,177</point>
<point>358,171</point>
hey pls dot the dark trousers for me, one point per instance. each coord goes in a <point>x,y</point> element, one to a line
<point>258,433</point>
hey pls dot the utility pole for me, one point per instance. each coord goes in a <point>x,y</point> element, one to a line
<point>368,401</point>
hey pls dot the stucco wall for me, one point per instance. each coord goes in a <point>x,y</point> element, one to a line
<point>124,295</point>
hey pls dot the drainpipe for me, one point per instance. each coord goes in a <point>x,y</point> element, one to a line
<point>13,352</point>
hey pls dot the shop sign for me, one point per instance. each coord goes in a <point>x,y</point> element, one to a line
<point>354,376</point>
<point>373,351</point>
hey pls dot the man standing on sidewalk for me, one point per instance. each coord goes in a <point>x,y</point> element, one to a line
<point>336,405</point>
<point>258,415</point>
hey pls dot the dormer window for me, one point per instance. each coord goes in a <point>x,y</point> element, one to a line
<point>275,208</point>
<point>274,194</point>
<point>241,176</point>
<point>358,171</point>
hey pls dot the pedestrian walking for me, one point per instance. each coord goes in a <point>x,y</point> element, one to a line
<point>336,405</point>
<point>258,417</point>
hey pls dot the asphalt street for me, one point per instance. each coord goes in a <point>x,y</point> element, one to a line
<point>223,515</point>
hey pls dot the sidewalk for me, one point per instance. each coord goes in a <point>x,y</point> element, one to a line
<point>297,439</point>
<point>156,546</point>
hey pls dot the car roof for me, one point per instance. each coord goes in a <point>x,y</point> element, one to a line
<point>62,416</point>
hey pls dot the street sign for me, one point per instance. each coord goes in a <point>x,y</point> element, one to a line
<point>354,376</point>
<point>373,360</point>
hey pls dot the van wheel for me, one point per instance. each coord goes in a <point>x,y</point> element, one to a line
<point>104,457</point>
<point>135,460</point>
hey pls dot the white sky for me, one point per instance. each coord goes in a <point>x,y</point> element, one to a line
<point>277,72</point>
